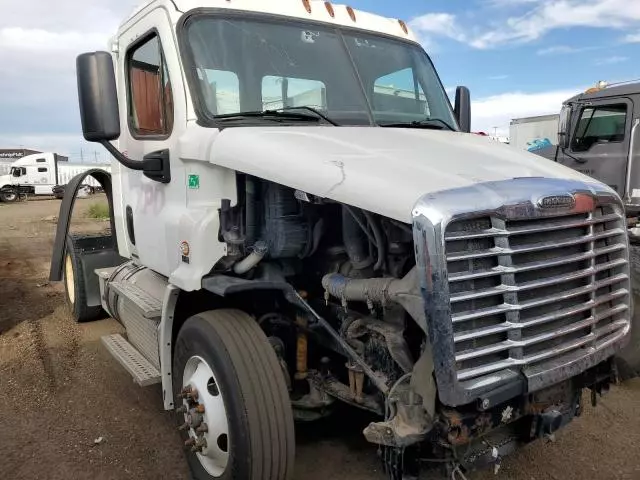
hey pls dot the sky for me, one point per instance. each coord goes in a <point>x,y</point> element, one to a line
<point>518,57</point>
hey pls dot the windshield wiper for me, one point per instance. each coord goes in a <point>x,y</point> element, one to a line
<point>434,123</point>
<point>277,115</point>
<point>310,109</point>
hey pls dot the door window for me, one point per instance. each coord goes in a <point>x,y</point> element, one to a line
<point>150,95</point>
<point>600,124</point>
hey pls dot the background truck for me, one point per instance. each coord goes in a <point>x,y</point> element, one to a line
<point>534,133</point>
<point>42,174</point>
<point>598,136</point>
<point>270,260</point>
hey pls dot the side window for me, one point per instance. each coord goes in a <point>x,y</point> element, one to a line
<point>150,95</point>
<point>40,160</point>
<point>42,169</point>
<point>221,90</point>
<point>597,124</point>
<point>399,92</point>
<point>280,92</point>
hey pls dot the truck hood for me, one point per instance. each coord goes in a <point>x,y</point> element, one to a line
<point>5,180</point>
<point>383,170</point>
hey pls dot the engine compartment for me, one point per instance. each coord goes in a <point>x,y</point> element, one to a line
<point>355,268</point>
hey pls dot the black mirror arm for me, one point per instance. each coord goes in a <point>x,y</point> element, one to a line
<point>127,162</point>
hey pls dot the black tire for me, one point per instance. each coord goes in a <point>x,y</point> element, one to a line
<point>9,195</point>
<point>77,299</point>
<point>260,420</point>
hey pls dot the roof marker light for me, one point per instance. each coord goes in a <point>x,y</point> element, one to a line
<point>351,13</point>
<point>307,5</point>
<point>404,27</point>
<point>330,9</point>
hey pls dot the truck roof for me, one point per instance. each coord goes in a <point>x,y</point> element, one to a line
<point>613,91</point>
<point>316,10</point>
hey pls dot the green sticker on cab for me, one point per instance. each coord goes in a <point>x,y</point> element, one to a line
<point>194,181</point>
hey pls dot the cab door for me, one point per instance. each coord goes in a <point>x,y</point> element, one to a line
<point>600,141</point>
<point>153,109</point>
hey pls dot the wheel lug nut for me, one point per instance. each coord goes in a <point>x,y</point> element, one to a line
<point>202,428</point>
<point>199,445</point>
<point>189,393</point>
<point>184,426</point>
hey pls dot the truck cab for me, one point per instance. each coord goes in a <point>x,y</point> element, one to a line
<point>300,218</point>
<point>599,130</point>
<point>33,174</point>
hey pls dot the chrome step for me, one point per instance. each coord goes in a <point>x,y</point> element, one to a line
<point>142,371</point>
<point>149,306</point>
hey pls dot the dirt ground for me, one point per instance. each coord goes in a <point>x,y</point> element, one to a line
<point>69,411</point>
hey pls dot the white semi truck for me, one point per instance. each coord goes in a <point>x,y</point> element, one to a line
<point>42,174</point>
<point>271,257</point>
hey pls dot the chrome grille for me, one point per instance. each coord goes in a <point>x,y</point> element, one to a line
<point>529,291</point>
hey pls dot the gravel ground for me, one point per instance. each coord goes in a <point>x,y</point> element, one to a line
<point>69,411</point>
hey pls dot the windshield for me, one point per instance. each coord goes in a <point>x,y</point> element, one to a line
<point>249,65</point>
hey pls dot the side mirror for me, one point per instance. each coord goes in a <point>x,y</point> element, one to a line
<point>462,109</point>
<point>98,97</point>
<point>564,138</point>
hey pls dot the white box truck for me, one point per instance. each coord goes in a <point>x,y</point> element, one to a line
<point>268,262</point>
<point>43,174</point>
<point>534,133</point>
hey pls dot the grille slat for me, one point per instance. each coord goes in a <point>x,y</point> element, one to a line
<point>500,270</point>
<point>494,232</point>
<point>543,301</point>
<point>527,291</point>
<point>506,345</point>
<point>506,326</point>
<point>497,251</point>
<point>467,374</point>
<point>537,283</point>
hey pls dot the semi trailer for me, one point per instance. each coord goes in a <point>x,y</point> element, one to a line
<point>271,257</point>
<point>42,174</point>
<point>534,133</point>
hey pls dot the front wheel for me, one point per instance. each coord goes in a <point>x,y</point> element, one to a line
<point>9,195</point>
<point>233,405</point>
